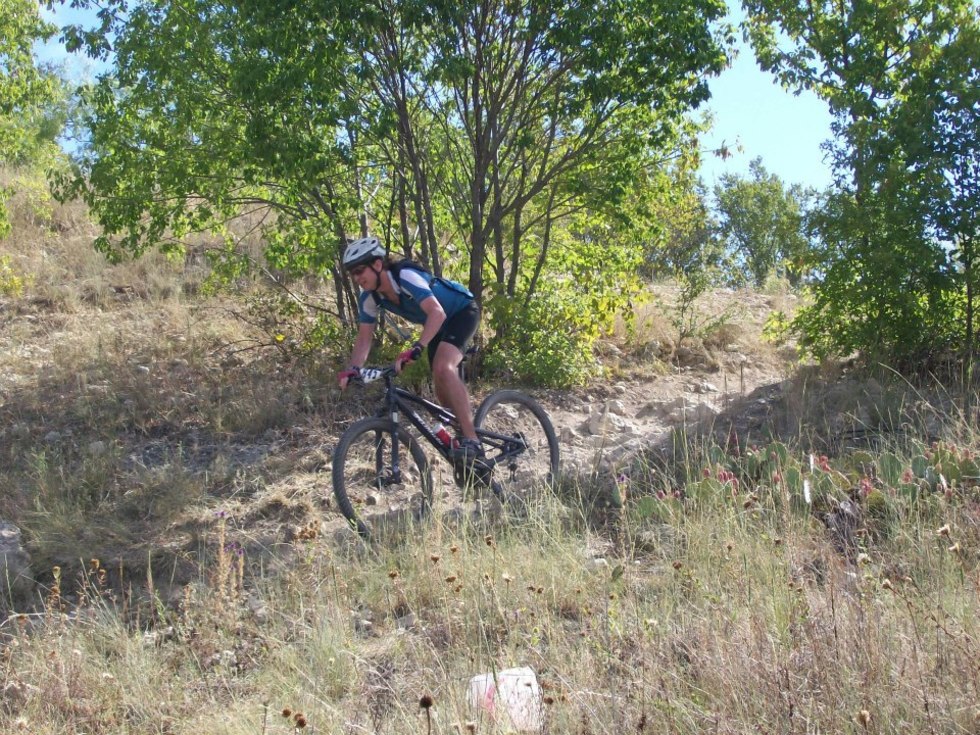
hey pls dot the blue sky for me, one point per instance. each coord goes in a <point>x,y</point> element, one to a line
<point>753,116</point>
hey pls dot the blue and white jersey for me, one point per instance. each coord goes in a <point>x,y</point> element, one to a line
<point>413,287</point>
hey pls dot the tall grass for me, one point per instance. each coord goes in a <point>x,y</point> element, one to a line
<point>747,616</point>
<point>172,494</point>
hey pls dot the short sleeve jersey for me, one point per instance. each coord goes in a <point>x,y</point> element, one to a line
<point>413,287</point>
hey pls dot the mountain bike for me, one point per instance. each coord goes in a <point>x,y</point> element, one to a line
<point>380,467</point>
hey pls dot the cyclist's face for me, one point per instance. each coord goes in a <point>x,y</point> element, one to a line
<point>365,275</point>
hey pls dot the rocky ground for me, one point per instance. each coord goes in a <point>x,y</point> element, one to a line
<point>116,400</point>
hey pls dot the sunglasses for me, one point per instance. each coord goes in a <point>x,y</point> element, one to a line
<point>358,270</point>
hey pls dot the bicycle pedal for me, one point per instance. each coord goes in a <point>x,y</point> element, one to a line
<point>472,472</point>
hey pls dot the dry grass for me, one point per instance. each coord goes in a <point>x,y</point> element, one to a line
<point>745,620</point>
<point>179,487</point>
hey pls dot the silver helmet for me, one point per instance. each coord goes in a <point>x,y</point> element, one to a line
<point>363,251</point>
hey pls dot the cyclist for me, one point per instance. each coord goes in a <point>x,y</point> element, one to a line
<point>447,311</point>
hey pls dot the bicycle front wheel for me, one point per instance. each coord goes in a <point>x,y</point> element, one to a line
<point>369,489</point>
<point>517,432</point>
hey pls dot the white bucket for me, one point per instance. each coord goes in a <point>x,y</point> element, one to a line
<point>511,698</point>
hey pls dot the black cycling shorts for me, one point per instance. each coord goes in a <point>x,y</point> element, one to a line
<point>457,331</point>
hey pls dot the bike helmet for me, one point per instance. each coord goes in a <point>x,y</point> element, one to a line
<point>363,251</point>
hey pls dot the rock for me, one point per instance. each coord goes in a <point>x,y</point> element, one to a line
<point>96,448</point>
<point>259,610</point>
<point>616,407</point>
<point>662,408</point>
<point>52,437</point>
<point>604,422</point>
<point>407,622</point>
<point>15,695</point>
<point>568,435</point>
<point>692,413</point>
<point>16,578</point>
<point>704,387</point>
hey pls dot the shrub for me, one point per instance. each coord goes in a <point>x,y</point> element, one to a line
<point>542,343</point>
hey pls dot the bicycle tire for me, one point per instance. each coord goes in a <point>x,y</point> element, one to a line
<point>512,412</point>
<point>360,461</point>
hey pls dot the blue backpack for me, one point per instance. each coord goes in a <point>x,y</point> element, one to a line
<point>397,267</point>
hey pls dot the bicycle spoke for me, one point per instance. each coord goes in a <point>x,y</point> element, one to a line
<point>527,458</point>
<point>365,482</point>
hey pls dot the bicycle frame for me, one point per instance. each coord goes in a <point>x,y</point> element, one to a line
<point>398,401</point>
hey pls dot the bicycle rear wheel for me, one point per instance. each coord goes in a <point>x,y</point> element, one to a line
<point>508,420</point>
<point>367,490</point>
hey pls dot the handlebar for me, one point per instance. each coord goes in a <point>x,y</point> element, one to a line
<point>370,374</point>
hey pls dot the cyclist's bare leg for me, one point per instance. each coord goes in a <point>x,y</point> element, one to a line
<point>450,388</point>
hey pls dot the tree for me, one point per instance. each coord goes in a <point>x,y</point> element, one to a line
<point>889,287</point>
<point>27,91</point>
<point>437,124</point>
<point>763,223</point>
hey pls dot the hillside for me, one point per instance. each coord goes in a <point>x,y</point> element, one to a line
<point>142,398</point>
<point>137,411</point>
<point>170,479</point>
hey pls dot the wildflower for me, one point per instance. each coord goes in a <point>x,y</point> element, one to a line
<point>287,713</point>
<point>507,578</point>
<point>863,559</point>
<point>488,539</point>
<point>943,531</point>
<point>393,574</point>
<point>300,720</point>
<point>451,578</point>
<point>434,558</point>
<point>454,548</point>
<point>955,548</point>
<point>425,701</point>
<point>678,564</point>
<point>886,584</point>
<point>863,718</point>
